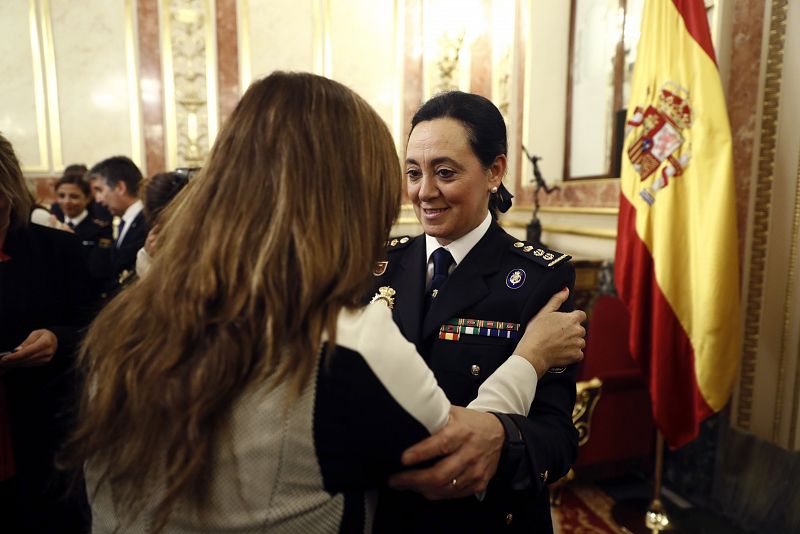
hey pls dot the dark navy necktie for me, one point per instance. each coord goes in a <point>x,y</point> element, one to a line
<point>442,260</point>
<point>71,224</point>
<point>119,232</point>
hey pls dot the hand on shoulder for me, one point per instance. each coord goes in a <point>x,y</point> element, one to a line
<point>553,338</point>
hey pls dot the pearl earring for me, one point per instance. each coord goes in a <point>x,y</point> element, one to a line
<point>493,190</point>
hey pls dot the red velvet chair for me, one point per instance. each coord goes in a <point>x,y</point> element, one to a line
<point>622,429</point>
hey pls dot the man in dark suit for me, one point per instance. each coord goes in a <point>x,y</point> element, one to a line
<point>116,183</point>
<point>463,293</point>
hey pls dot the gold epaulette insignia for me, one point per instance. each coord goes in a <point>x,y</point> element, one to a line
<point>398,243</point>
<point>539,254</point>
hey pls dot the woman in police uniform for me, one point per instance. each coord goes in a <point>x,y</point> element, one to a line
<point>464,290</point>
<point>73,198</point>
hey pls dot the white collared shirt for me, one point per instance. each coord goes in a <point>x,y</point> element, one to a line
<point>130,214</point>
<point>458,248</point>
<point>77,220</point>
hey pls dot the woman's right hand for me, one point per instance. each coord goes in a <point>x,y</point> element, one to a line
<point>553,338</point>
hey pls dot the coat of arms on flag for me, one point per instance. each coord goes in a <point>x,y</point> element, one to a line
<point>660,139</point>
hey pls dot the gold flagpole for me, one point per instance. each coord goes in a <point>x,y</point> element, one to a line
<point>631,514</point>
<point>656,516</point>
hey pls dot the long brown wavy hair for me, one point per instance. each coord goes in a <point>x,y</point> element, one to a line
<point>266,246</point>
<point>13,186</point>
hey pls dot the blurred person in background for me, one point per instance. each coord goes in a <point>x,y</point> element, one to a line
<point>73,198</point>
<point>45,301</point>
<point>117,183</point>
<point>159,190</point>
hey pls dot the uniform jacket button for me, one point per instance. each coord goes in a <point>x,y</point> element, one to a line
<point>509,519</point>
<point>475,370</point>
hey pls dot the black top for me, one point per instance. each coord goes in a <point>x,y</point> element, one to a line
<point>44,285</point>
<point>500,279</point>
<point>97,242</point>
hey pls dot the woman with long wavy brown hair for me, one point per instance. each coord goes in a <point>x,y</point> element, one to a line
<point>241,384</point>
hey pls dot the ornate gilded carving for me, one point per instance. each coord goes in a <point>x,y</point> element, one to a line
<point>447,64</point>
<point>190,80</point>
<point>763,200</point>
<point>588,393</point>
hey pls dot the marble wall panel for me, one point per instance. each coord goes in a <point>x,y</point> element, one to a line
<point>22,118</point>
<point>93,81</point>
<point>151,86</point>
<point>227,57</point>
<point>412,63</point>
<point>364,54</point>
<point>745,61</point>
<point>546,89</point>
<point>279,35</point>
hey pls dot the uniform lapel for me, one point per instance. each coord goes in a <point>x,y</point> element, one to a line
<point>467,285</point>
<point>410,288</point>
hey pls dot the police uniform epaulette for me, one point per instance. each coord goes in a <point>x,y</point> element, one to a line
<point>397,243</point>
<point>539,254</point>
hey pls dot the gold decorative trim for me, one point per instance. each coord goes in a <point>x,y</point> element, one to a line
<point>601,233</point>
<point>762,191</point>
<point>588,392</point>
<point>245,66</point>
<point>39,92</point>
<point>133,85</point>
<point>212,106</point>
<point>322,38</point>
<point>190,88</point>
<point>170,118</point>
<point>577,210</point>
<point>598,233</point>
<point>789,301</point>
<point>51,82</point>
<point>399,57</point>
<point>584,181</point>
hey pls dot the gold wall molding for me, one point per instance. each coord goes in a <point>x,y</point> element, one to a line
<point>576,210</point>
<point>322,38</point>
<point>212,70</point>
<point>51,83</point>
<point>243,30</point>
<point>789,301</point>
<point>137,155</point>
<point>585,181</point>
<point>39,93</point>
<point>596,233</point>
<point>190,83</point>
<point>600,233</point>
<point>761,211</point>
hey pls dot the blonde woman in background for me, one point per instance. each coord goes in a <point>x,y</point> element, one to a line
<point>245,388</point>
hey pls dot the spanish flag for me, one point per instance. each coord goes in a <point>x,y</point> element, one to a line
<point>677,263</point>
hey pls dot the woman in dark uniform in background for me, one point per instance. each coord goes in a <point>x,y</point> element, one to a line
<point>74,197</point>
<point>464,291</point>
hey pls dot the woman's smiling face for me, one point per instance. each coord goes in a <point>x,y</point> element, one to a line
<point>71,199</point>
<point>447,184</point>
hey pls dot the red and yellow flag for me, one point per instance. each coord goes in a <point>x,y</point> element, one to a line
<point>677,264</point>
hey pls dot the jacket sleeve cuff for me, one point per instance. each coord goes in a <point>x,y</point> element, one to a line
<point>513,469</point>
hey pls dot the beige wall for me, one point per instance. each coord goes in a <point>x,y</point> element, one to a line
<point>72,97</point>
